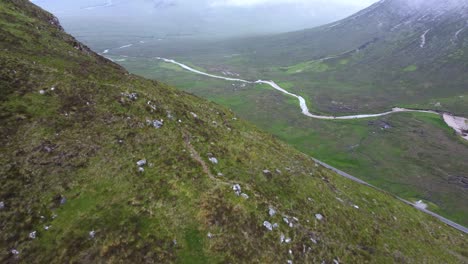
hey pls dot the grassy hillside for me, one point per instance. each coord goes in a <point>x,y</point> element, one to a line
<point>74,127</point>
<point>416,157</point>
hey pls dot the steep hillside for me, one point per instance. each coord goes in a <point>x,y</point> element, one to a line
<point>98,165</point>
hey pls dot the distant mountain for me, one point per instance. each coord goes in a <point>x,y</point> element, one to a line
<point>205,19</point>
<point>101,166</point>
<point>404,52</point>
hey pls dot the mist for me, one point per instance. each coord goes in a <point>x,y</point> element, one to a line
<point>204,19</point>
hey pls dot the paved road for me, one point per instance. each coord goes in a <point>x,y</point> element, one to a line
<point>443,219</point>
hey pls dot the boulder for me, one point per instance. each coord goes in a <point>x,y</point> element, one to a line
<point>319,217</point>
<point>268,225</point>
<point>237,189</point>
<point>141,163</point>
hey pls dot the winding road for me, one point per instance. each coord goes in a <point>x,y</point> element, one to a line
<point>302,101</point>
<point>459,124</point>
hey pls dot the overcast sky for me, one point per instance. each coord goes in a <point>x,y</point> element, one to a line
<point>250,3</point>
<point>203,18</point>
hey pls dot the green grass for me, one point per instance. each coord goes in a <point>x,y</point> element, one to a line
<point>411,68</point>
<point>82,141</point>
<point>381,157</point>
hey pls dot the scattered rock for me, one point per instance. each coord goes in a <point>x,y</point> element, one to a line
<point>213,160</point>
<point>290,262</point>
<point>287,240</point>
<point>286,220</point>
<point>268,225</point>
<point>194,115</point>
<point>157,123</point>
<point>237,189</point>
<point>92,234</point>
<point>54,216</point>
<point>151,105</point>
<point>209,235</point>
<point>47,227</point>
<point>14,252</point>
<point>220,174</point>
<point>319,217</point>
<point>42,92</point>
<point>290,252</point>
<point>282,238</point>
<point>245,196</point>
<point>141,163</point>
<point>278,171</point>
<point>131,96</point>
<point>2,205</point>
<point>272,212</point>
<point>355,206</point>
<point>267,172</point>
<point>336,261</point>
<point>52,88</point>
<point>32,235</point>
<point>141,169</point>
<point>275,225</point>
<point>174,242</point>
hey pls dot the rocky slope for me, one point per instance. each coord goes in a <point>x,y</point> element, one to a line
<point>98,165</point>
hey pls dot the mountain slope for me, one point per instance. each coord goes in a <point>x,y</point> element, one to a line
<point>75,125</point>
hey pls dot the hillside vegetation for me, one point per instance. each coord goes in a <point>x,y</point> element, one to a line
<point>74,126</point>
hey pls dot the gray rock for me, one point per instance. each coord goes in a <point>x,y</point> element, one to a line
<point>275,225</point>
<point>267,172</point>
<point>271,212</point>
<point>245,196</point>
<point>282,238</point>
<point>319,217</point>
<point>290,262</point>
<point>268,225</point>
<point>141,169</point>
<point>63,200</point>
<point>14,252</point>
<point>32,235</point>
<point>2,205</point>
<point>92,234</point>
<point>209,235</point>
<point>237,189</point>
<point>42,92</point>
<point>213,160</point>
<point>141,163</point>
<point>157,124</point>
<point>287,240</point>
<point>47,227</point>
